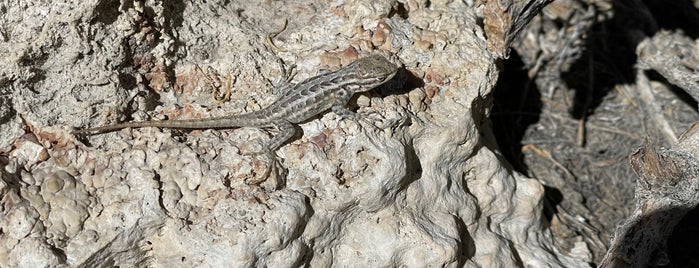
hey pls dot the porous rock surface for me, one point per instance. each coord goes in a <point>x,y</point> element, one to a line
<point>424,188</point>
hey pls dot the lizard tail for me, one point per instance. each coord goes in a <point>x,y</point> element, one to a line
<point>251,120</point>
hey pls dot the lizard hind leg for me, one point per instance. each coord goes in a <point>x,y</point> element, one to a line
<point>286,131</point>
<point>346,114</point>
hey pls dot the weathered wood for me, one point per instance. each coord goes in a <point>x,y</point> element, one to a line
<point>665,191</point>
<point>505,19</point>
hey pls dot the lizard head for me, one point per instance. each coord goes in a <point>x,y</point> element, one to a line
<point>372,71</point>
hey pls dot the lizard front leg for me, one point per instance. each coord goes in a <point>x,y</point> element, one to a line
<point>339,107</point>
<point>286,131</point>
<point>343,112</point>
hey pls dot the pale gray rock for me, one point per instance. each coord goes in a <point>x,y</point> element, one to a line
<point>424,188</point>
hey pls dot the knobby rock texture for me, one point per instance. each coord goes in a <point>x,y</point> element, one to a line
<point>416,181</point>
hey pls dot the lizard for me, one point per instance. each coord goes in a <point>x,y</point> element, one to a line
<point>304,100</point>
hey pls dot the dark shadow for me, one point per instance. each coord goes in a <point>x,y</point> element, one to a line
<point>683,245</point>
<point>107,12</point>
<point>175,9</point>
<point>678,92</point>
<point>9,112</point>
<point>468,245</point>
<point>675,15</point>
<point>608,60</point>
<point>403,82</point>
<point>58,252</point>
<point>176,20</point>
<point>515,254</point>
<point>400,10</point>
<point>553,197</point>
<point>609,55</point>
<point>516,106</point>
<point>414,165</point>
